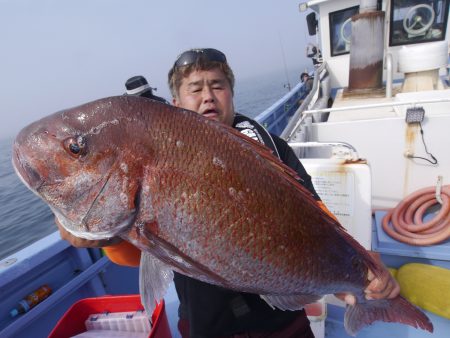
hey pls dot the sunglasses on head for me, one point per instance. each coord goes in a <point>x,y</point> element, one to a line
<point>191,56</point>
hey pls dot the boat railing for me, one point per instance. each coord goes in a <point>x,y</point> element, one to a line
<point>319,74</point>
<point>275,118</point>
<point>389,75</point>
<point>298,123</point>
<point>71,273</point>
<point>377,105</point>
<point>339,150</point>
<point>58,297</point>
<point>300,131</point>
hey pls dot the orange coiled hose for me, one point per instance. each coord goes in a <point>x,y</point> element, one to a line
<point>407,218</point>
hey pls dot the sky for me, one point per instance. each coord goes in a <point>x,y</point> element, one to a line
<point>56,54</point>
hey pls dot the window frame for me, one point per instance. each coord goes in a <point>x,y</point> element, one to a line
<point>397,42</point>
<point>332,18</point>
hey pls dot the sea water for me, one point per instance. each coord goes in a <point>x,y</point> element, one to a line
<point>24,218</point>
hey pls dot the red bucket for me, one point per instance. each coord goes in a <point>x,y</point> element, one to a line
<point>73,321</point>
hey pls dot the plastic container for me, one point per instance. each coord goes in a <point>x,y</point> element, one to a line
<point>317,313</point>
<point>73,321</point>
<point>130,321</point>
<point>110,334</point>
<point>345,188</point>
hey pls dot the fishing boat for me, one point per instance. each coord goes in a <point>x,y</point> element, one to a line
<point>371,127</point>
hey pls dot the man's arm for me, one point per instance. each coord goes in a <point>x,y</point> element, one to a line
<point>123,253</point>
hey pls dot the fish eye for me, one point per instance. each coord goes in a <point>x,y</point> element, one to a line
<point>76,146</point>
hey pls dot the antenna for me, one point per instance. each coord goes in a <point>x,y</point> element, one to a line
<point>286,85</point>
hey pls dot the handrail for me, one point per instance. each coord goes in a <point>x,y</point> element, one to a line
<point>322,144</point>
<point>352,153</point>
<point>292,125</point>
<point>314,2</point>
<point>375,105</point>
<point>389,75</point>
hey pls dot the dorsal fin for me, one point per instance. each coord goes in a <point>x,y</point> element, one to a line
<point>266,153</point>
<point>292,177</point>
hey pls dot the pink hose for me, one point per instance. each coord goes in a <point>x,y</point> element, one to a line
<point>407,218</point>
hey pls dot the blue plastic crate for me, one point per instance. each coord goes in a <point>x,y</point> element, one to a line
<point>383,243</point>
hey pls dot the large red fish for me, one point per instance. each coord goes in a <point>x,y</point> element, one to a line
<point>199,198</point>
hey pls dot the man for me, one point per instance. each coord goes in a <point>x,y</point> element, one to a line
<point>307,80</point>
<point>201,80</point>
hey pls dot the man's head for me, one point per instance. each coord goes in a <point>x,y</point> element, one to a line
<point>138,85</point>
<point>304,77</point>
<point>201,80</point>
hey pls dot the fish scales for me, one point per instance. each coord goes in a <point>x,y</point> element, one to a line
<point>198,197</point>
<point>248,237</point>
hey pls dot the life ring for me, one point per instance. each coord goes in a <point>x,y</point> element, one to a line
<point>342,31</point>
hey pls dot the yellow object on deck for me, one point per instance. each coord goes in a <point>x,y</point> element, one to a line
<point>393,272</point>
<point>426,286</point>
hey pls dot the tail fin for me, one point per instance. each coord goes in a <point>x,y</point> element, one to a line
<point>397,310</point>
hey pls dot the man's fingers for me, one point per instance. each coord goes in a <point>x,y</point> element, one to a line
<point>84,243</point>
<point>383,287</point>
<point>395,291</point>
<point>346,297</point>
<point>350,299</point>
<point>378,285</point>
<point>370,275</point>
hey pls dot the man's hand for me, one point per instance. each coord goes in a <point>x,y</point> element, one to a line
<point>383,287</point>
<point>85,243</point>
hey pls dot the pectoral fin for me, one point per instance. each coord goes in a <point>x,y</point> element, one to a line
<point>154,280</point>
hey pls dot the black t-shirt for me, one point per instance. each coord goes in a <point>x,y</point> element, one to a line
<point>213,311</point>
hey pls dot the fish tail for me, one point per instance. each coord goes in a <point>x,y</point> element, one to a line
<point>397,310</point>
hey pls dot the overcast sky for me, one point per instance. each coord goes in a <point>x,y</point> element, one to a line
<point>56,54</point>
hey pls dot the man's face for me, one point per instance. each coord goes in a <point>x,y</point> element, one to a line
<point>207,92</point>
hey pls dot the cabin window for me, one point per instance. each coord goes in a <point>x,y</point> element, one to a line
<point>414,21</point>
<point>341,30</point>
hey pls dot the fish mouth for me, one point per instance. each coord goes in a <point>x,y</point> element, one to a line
<point>27,174</point>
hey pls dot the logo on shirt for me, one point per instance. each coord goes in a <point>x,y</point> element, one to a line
<point>250,133</point>
<point>249,130</point>
<point>245,125</point>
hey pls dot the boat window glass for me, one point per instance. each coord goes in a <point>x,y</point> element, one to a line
<point>415,21</point>
<point>341,30</point>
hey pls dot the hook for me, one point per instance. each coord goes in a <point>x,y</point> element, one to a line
<point>438,190</point>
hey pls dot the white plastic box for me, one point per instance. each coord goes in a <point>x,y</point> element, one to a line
<point>136,321</point>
